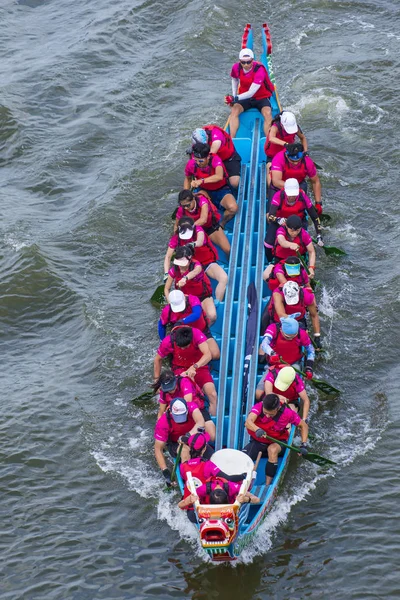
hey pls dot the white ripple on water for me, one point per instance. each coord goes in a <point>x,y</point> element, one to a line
<point>345,113</point>
<point>16,244</point>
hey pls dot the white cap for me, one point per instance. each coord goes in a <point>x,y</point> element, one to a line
<point>291,291</point>
<point>292,187</point>
<point>288,122</point>
<point>181,262</point>
<point>285,378</point>
<point>246,53</point>
<point>177,300</point>
<point>186,232</point>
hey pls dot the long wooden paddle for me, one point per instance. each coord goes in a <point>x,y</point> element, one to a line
<point>313,282</point>
<point>143,397</point>
<point>176,463</point>
<point>331,250</point>
<point>321,461</point>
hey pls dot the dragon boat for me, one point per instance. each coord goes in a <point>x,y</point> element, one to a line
<point>224,530</point>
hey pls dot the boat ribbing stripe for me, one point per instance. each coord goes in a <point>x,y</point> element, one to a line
<point>235,261</point>
<point>240,331</point>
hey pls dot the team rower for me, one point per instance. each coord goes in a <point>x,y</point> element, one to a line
<point>190,354</point>
<point>284,130</point>
<point>285,341</point>
<point>205,215</point>
<point>179,418</point>
<point>188,275</point>
<point>255,90</point>
<point>207,172</point>
<point>186,310</point>
<point>271,416</point>
<point>171,386</point>
<point>204,251</point>
<point>221,144</point>
<point>289,269</point>
<point>291,237</point>
<point>293,163</point>
<point>288,385</point>
<point>286,203</point>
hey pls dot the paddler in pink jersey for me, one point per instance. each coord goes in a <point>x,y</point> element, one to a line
<point>221,144</point>
<point>171,386</point>
<point>186,310</point>
<point>292,238</point>
<point>272,417</point>
<point>205,215</point>
<point>284,130</point>
<point>294,163</point>
<point>285,203</point>
<point>207,172</point>
<point>251,79</point>
<point>289,386</point>
<point>289,269</point>
<point>187,275</point>
<point>179,419</point>
<point>204,251</point>
<point>285,340</point>
<point>190,355</point>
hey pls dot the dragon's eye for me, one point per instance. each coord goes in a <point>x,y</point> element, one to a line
<point>201,521</point>
<point>229,521</point>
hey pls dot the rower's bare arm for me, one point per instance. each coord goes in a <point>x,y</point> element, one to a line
<point>157,366</point>
<point>268,387</point>
<point>200,239</point>
<point>303,430</point>
<point>303,140</point>
<point>215,146</point>
<point>203,216</point>
<point>198,421</point>
<point>196,271</point>
<point>167,287</point>
<point>159,453</point>
<point>277,180</point>
<point>316,186</point>
<point>282,241</point>
<point>311,254</point>
<point>205,359</point>
<point>279,306</point>
<point>250,422</point>
<point>305,403</point>
<point>272,136</point>
<point>218,176</point>
<point>161,410</point>
<point>187,183</point>
<point>167,259</point>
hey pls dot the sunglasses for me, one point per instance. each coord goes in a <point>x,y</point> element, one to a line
<point>186,205</point>
<point>246,62</point>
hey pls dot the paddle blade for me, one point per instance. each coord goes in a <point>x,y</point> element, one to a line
<point>143,398</point>
<point>332,251</point>
<point>325,218</point>
<point>173,216</point>
<point>321,461</point>
<point>158,298</point>
<point>325,387</point>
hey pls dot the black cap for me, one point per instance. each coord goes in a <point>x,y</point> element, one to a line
<point>294,222</point>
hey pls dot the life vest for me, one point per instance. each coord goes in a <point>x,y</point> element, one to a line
<point>265,90</point>
<point>198,396</point>
<point>296,171</point>
<point>269,425</point>
<point>273,281</point>
<point>200,286</point>
<point>205,254</point>
<point>289,350</point>
<point>178,429</point>
<point>213,217</point>
<point>196,466</point>
<point>290,309</point>
<point>227,148</point>
<point>289,138</point>
<point>172,317</point>
<point>285,210</point>
<point>184,357</point>
<point>283,253</point>
<point>290,393</point>
<point>207,171</point>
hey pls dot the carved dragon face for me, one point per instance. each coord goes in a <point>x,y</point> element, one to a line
<point>219,527</point>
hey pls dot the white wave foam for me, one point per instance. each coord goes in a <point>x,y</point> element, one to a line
<point>12,242</point>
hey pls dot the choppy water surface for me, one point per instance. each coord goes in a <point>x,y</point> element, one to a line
<point>97,102</point>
